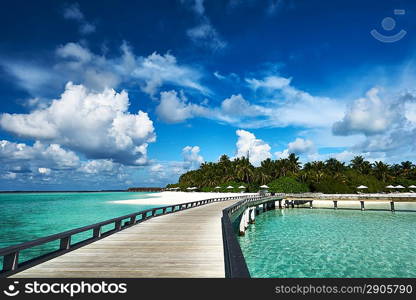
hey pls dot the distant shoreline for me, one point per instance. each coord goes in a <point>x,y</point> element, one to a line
<point>27,192</point>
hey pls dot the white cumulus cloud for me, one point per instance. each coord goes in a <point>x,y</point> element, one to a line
<point>192,158</point>
<point>174,108</point>
<point>256,149</point>
<point>95,124</point>
<point>368,115</point>
<point>299,146</point>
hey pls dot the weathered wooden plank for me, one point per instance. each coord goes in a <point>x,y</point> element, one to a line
<point>185,244</point>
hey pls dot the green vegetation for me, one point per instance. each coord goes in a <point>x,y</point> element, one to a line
<point>287,175</point>
<point>287,185</point>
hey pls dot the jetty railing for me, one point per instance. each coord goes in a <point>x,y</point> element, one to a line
<point>11,264</point>
<point>235,264</point>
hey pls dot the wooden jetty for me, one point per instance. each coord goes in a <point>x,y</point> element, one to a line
<point>193,239</point>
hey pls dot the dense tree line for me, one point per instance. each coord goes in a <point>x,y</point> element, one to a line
<point>288,175</point>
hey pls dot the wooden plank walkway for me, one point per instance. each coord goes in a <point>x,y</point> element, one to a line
<point>183,244</point>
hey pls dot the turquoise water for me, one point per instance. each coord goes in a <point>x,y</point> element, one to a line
<point>24,217</point>
<point>328,243</point>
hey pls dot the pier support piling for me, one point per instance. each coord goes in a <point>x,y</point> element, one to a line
<point>335,204</point>
<point>97,232</point>
<point>252,216</point>
<point>310,204</point>
<point>10,262</point>
<point>65,243</point>
<point>280,204</point>
<point>362,205</point>
<point>392,206</point>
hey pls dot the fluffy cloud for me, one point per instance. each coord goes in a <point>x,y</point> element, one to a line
<point>248,144</point>
<point>283,105</point>
<point>73,12</point>
<point>97,166</point>
<point>156,168</point>
<point>174,108</point>
<point>19,158</point>
<point>192,158</point>
<point>368,115</point>
<point>299,146</point>
<point>385,123</point>
<point>45,171</point>
<point>95,124</point>
<point>269,82</point>
<point>237,106</point>
<point>292,106</point>
<point>76,63</point>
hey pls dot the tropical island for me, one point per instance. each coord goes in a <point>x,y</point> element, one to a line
<point>288,175</point>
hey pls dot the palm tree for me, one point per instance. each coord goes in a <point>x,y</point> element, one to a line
<point>406,167</point>
<point>293,163</point>
<point>360,165</point>
<point>244,170</point>
<point>381,170</point>
<point>261,177</point>
<point>334,166</point>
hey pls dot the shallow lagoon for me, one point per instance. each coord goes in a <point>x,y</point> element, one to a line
<point>27,216</point>
<point>331,243</point>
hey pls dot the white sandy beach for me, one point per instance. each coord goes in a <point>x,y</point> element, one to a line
<point>167,198</point>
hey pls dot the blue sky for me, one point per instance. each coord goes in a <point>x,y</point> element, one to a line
<point>109,95</point>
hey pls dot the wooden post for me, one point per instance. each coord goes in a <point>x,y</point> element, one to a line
<point>65,243</point>
<point>252,216</point>
<point>96,232</point>
<point>335,204</point>
<point>243,226</point>
<point>362,205</point>
<point>293,204</point>
<point>132,220</point>
<point>310,204</point>
<point>11,261</point>
<point>280,204</point>
<point>392,206</point>
<point>117,225</point>
<point>257,210</point>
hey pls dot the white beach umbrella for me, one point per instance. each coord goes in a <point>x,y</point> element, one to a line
<point>189,188</point>
<point>361,187</point>
<point>412,186</point>
<point>399,187</point>
<point>264,186</point>
<point>230,187</point>
<point>217,187</point>
<point>194,188</point>
<point>390,187</point>
<point>241,187</point>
